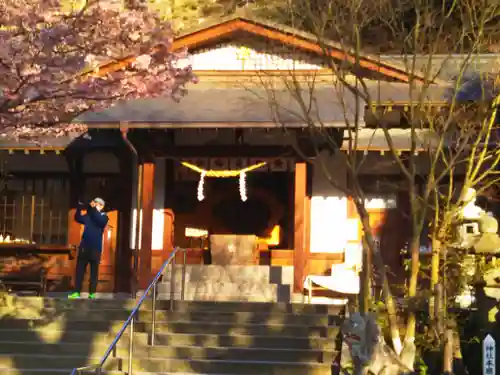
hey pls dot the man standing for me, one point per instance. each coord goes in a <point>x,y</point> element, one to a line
<point>94,222</point>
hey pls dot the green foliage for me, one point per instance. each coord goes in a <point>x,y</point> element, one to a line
<point>421,366</point>
<point>186,14</point>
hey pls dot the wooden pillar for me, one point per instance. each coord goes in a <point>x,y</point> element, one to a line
<point>301,226</point>
<point>123,261</point>
<point>168,229</point>
<point>147,205</point>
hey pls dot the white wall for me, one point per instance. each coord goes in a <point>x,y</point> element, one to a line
<point>239,56</point>
<point>159,205</point>
<point>332,230</point>
<point>329,221</point>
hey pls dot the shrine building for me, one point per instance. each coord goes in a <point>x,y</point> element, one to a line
<point>216,172</point>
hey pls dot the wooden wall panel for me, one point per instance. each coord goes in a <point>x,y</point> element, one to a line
<point>156,263</point>
<point>321,264</point>
<point>147,203</point>
<point>74,229</point>
<point>282,257</point>
<point>318,264</point>
<point>108,257</point>
<point>58,264</point>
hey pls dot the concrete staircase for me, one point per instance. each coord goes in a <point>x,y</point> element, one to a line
<point>231,283</point>
<point>48,336</point>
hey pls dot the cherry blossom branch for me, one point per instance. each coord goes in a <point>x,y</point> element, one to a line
<point>57,64</point>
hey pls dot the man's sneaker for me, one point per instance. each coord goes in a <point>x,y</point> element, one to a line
<point>92,296</point>
<point>74,295</point>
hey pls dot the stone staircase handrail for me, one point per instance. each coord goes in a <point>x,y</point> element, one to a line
<point>129,323</point>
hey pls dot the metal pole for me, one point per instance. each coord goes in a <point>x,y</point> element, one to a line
<point>131,345</point>
<point>153,318</point>
<point>172,282</point>
<point>184,264</point>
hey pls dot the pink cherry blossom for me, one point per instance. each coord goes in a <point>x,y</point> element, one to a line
<point>56,63</point>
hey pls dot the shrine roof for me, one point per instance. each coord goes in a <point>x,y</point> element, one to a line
<point>207,107</point>
<point>212,31</point>
<point>451,66</point>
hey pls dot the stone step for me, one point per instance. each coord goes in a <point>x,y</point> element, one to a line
<point>235,293</point>
<point>219,328</point>
<point>232,274</point>
<point>236,317</point>
<point>180,352</point>
<point>21,304</point>
<point>53,361</point>
<point>230,283</point>
<point>54,337</point>
<point>268,308</point>
<point>162,365</point>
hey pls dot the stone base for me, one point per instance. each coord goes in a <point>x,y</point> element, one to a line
<point>231,283</point>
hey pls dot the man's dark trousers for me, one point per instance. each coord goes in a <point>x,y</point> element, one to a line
<point>87,257</point>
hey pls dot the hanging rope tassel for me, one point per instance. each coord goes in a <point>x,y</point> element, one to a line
<point>223,174</point>
<point>243,187</point>
<point>201,184</point>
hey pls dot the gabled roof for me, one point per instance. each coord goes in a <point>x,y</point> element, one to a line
<point>210,33</point>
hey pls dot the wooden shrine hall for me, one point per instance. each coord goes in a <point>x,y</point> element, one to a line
<point>217,163</point>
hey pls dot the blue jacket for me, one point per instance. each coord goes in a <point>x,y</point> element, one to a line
<point>94,223</point>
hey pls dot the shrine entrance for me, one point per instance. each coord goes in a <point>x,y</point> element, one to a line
<point>222,209</point>
<point>237,202</point>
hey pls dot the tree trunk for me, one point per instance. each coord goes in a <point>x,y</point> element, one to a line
<point>411,324</point>
<point>365,299</point>
<point>448,350</point>
<point>378,261</point>
<point>436,250</point>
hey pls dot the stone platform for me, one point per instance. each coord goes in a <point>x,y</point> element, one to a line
<point>231,283</point>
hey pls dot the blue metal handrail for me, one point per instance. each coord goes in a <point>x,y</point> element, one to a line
<point>132,317</point>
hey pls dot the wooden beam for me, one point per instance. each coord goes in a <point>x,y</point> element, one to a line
<point>243,151</point>
<point>213,125</point>
<point>147,199</point>
<point>301,226</point>
<point>333,52</point>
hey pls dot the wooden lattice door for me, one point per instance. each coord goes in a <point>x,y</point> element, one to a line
<point>107,265</point>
